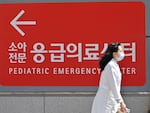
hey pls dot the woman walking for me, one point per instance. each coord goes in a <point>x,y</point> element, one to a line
<point>108,98</point>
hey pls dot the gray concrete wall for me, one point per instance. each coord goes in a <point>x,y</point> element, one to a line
<point>65,103</point>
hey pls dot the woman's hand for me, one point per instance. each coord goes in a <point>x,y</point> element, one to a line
<point>123,107</point>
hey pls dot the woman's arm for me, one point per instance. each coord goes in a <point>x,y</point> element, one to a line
<point>113,82</point>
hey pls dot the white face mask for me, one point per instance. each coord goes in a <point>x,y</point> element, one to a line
<point>121,56</point>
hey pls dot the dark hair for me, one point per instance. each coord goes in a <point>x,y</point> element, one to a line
<point>113,47</point>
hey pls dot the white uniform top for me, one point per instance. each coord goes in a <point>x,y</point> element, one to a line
<point>108,92</point>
